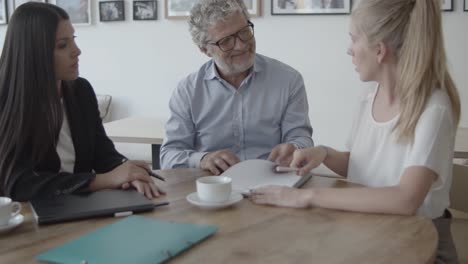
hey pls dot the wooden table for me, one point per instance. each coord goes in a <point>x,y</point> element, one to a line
<point>250,233</point>
<point>138,130</point>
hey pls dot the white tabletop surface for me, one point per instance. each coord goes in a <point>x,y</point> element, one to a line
<point>151,131</point>
<point>136,130</point>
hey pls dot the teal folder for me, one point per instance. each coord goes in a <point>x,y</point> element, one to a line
<point>135,239</point>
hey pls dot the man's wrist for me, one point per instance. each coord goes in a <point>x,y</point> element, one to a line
<point>296,146</point>
<point>196,158</point>
<point>204,155</point>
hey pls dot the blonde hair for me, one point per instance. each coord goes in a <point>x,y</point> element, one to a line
<point>413,29</point>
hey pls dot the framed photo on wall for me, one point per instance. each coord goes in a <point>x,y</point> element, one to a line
<point>145,10</point>
<point>180,9</point>
<point>3,12</point>
<point>447,5</point>
<point>17,3</point>
<point>78,10</point>
<point>11,5</point>
<point>310,7</point>
<point>254,7</point>
<point>111,11</point>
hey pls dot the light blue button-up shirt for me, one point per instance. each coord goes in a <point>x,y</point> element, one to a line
<point>209,114</point>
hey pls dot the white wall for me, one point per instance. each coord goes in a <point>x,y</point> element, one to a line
<point>140,62</point>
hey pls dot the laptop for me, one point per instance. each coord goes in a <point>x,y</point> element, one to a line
<point>87,205</point>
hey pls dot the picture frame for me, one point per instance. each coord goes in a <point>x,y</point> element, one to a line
<point>111,11</point>
<point>447,5</point>
<point>254,7</point>
<point>3,12</point>
<point>17,3</point>
<point>78,10</point>
<point>310,7</point>
<point>180,9</point>
<point>145,10</point>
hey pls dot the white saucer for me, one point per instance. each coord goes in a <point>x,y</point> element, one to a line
<point>234,198</point>
<point>14,222</point>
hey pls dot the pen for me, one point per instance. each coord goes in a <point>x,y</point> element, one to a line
<point>151,173</point>
<point>285,169</point>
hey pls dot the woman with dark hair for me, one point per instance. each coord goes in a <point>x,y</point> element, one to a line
<point>52,140</point>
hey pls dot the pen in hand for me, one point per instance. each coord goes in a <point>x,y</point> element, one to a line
<point>152,174</point>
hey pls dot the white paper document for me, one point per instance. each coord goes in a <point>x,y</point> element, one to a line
<point>251,174</point>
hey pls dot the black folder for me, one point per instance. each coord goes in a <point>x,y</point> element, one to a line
<point>93,204</point>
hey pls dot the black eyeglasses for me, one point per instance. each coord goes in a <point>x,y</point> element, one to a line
<point>228,43</point>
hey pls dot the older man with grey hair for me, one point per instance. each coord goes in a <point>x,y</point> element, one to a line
<point>239,105</point>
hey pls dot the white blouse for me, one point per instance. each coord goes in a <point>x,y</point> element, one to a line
<point>65,148</point>
<point>377,160</point>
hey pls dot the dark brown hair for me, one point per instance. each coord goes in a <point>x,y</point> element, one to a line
<point>30,109</point>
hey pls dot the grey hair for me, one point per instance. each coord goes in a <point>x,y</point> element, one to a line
<point>206,13</point>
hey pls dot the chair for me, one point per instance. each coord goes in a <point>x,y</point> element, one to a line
<point>458,196</point>
<point>104,102</point>
<point>459,208</point>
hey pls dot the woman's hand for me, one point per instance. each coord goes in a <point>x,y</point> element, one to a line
<point>150,190</point>
<point>134,173</point>
<point>281,196</point>
<point>307,159</point>
<point>281,154</point>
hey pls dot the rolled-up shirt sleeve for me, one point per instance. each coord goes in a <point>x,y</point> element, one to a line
<point>295,125</point>
<point>178,149</point>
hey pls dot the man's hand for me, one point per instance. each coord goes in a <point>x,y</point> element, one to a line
<point>282,154</point>
<point>218,161</point>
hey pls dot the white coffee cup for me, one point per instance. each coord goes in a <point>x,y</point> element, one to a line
<point>8,210</point>
<point>214,189</point>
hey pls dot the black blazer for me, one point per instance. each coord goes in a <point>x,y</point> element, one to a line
<point>94,151</point>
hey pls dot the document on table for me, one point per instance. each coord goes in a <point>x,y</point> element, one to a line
<point>251,174</point>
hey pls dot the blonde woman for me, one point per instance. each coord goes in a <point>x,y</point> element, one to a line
<point>401,143</point>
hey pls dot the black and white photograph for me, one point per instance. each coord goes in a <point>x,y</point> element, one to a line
<point>176,9</point>
<point>447,5</point>
<point>145,10</point>
<point>310,7</point>
<point>17,3</point>
<point>111,11</point>
<point>180,9</point>
<point>3,12</point>
<point>78,10</point>
<point>254,7</point>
